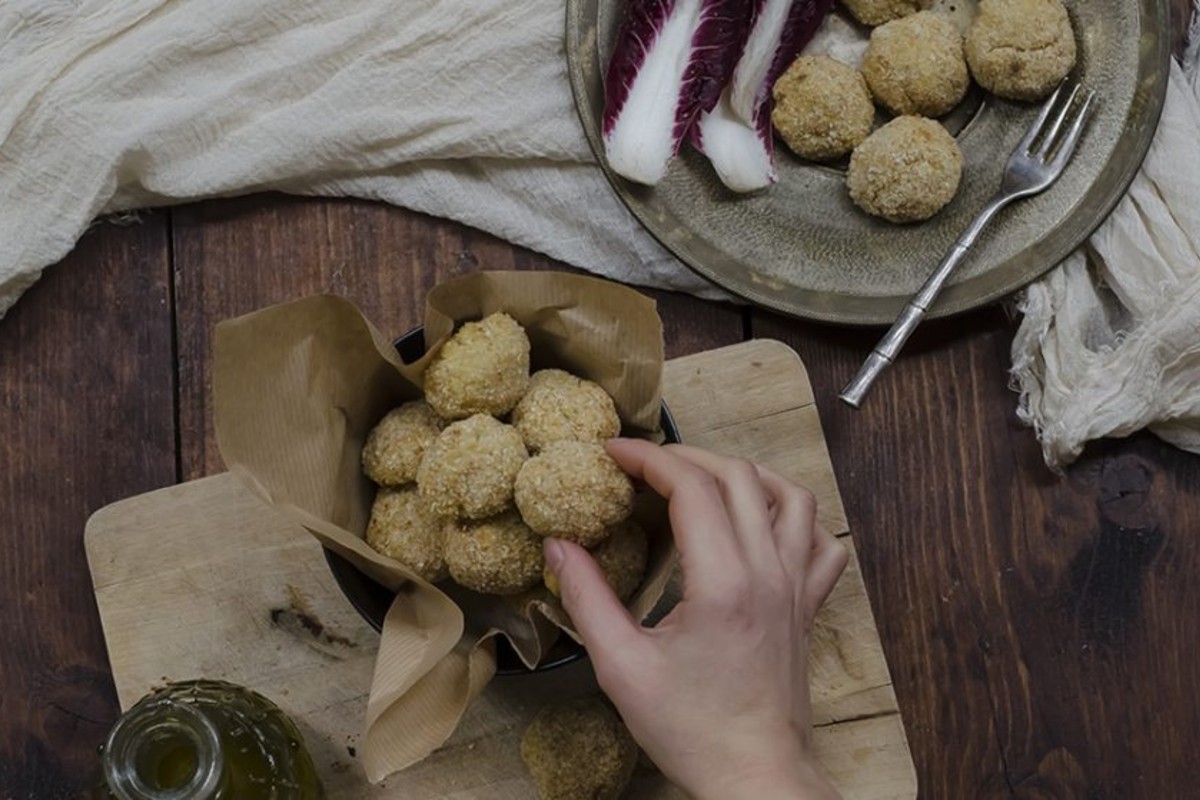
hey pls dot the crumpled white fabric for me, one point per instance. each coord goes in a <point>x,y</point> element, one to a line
<point>458,109</point>
<point>1110,340</point>
<point>463,110</point>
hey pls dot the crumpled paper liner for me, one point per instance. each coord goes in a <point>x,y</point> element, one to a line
<point>296,389</point>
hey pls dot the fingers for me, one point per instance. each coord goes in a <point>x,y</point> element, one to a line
<point>829,559</point>
<point>700,521</point>
<point>747,502</point>
<point>601,620</point>
<point>795,521</point>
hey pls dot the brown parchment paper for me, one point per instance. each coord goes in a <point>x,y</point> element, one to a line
<point>296,389</point>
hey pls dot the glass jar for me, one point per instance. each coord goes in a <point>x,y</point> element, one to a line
<point>207,740</point>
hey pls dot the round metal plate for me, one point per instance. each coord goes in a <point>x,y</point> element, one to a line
<point>803,248</point>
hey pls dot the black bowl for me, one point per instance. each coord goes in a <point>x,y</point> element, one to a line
<point>372,600</point>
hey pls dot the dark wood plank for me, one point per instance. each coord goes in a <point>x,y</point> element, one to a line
<point>232,257</point>
<point>1040,630</point>
<point>86,379</point>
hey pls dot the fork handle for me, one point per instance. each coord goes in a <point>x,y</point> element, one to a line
<point>888,348</point>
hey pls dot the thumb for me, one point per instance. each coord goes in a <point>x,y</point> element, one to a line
<point>601,620</point>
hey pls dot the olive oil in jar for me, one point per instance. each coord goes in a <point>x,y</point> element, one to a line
<point>207,740</point>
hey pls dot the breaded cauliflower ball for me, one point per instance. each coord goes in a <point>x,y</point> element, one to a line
<point>394,447</point>
<point>822,108</point>
<point>580,749</point>
<point>402,527</point>
<point>482,369</point>
<point>561,407</point>
<point>573,490</point>
<point>877,12</point>
<point>498,555</point>
<point>470,468</point>
<point>621,557</point>
<point>906,171</point>
<point>915,65</point>
<point>1020,49</point>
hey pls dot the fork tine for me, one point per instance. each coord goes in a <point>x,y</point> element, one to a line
<point>1071,137</point>
<point>1026,143</point>
<point>1051,137</point>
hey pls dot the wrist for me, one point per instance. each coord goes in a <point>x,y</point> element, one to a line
<point>788,774</point>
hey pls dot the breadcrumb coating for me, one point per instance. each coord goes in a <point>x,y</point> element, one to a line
<point>470,468</point>
<point>403,527</point>
<point>916,65</point>
<point>621,557</point>
<point>498,555</point>
<point>906,171</point>
<point>822,108</point>
<point>1020,49</point>
<point>482,369</point>
<point>877,12</point>
<point>579,750</point>
<point>395,446</point>
<point>573,490</point>
<point>561,407</point>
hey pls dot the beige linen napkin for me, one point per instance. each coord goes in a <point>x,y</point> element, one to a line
<point>463,110</point>
<point>1110,340</point>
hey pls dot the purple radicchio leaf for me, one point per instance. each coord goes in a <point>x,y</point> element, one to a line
<point>671,60</point>
<point>737,137</point>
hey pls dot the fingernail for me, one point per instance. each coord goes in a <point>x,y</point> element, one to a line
<point>554,554</point>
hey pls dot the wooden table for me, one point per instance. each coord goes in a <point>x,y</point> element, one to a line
<point>1041,631</point>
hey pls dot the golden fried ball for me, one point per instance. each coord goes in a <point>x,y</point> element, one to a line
<point>915,65</point>
<point>402,527</point>
<point>1020,49</point>
<point>822,108</point>
<point>573,490</point>
<point>579,749</point>
<point>561,407</point>
<point>877,12</point>
<point>470,468</point>
<point>621,557</point>
<point>498,555</point>
<point>394,447</point>
<point>908,170</point>
<point>482,369</point>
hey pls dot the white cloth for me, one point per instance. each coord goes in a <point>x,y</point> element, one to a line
<point>1110,340</point>
<point>457,109</point>
<point>463,110</point>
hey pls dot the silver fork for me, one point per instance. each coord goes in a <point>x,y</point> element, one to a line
<point>1036,163</point>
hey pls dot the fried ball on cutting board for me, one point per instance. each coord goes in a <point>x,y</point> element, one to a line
<point>498,555</point>
<point>822,108</point>
<point>1020,49</point>
<point>577,750</point>
<point>915,65</point>
<point>573,490</point>
<point>561,407</point>
<point>877,12</point>
<point>906,171</point>
<point>470,468</point>
<point>621,557</point>
<point>395,445</point>
<point>403,527</point>
<point>482,369</point>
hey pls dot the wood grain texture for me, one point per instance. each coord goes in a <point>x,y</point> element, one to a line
<point>86,384</point>
<point>1041,630</point>
<point>236,256</point>
<point>248,598</point>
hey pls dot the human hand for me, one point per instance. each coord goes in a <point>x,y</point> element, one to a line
<point>717,693</point>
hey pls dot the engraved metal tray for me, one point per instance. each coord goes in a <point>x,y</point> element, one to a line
<point>803,248</point>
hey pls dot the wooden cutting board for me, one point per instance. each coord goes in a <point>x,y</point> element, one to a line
<point>202,579</point>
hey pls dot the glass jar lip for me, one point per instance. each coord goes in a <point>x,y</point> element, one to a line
<point>142,726</point>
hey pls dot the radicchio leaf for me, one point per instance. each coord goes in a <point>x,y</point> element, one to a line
<point>736,135</point>
<point>671,60</point>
